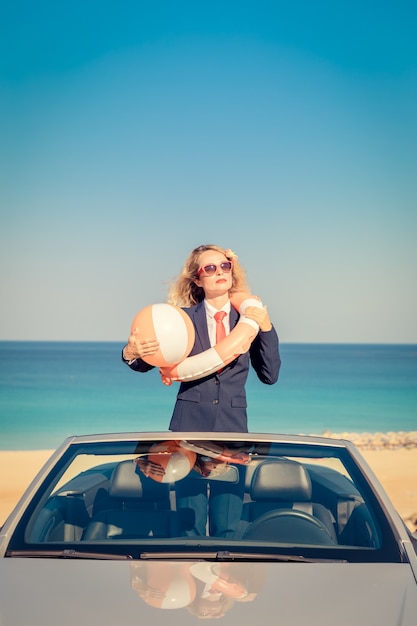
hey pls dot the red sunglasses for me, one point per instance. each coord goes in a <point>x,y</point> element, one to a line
<point>209,270</point>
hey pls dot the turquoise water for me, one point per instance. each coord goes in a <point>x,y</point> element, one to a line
<point>49,390</point>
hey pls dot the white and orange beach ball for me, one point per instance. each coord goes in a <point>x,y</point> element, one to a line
<point>172,328</point>
<point>177,462</point>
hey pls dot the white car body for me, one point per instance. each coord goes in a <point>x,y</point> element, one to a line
<point>51,573</point>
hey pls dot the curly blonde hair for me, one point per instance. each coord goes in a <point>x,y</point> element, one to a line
<point>184,291</point>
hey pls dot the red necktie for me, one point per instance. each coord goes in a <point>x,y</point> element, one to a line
<point>220,329</point>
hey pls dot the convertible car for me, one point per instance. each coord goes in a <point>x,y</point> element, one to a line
<point>168,528</point>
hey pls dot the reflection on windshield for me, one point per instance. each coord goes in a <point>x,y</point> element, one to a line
<point>170,461</point>
<point>206,590</point>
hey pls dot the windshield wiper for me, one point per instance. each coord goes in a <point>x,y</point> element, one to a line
<point>67,554</point>
<point>225,555</point>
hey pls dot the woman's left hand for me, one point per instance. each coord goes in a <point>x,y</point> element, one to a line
<point>260,316</point>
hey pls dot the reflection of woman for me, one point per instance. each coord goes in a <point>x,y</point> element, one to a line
<point>207,458</point>
<point>223,501</point>
<point>216,402</point>
<point>206,590</point>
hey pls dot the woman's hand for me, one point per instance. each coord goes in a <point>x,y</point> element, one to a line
<point>260,316</point>
<point>150,469</point>
<point>139,348</point>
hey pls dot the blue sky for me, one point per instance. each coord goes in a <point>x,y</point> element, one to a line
<point>132,131</point>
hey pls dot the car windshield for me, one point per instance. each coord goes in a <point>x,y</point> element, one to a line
<point>216,499</point>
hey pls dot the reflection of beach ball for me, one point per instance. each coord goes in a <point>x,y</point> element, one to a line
<point>169,586</point>
<point>171,327</point>
<point>176,461</point>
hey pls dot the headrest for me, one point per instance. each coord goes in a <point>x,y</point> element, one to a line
<point>127,481</point>
<point>286,481</point>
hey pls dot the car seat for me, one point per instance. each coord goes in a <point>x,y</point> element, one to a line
<point>137,507</point>
<point>281,494</point>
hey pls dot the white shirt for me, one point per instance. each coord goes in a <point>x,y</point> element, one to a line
<point>211,322</point>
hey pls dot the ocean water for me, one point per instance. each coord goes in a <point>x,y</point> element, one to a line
<point>49,390</point>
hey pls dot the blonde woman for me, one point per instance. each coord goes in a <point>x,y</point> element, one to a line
<point>216,402</point>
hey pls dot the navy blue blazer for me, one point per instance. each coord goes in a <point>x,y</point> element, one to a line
<point>218,402</point>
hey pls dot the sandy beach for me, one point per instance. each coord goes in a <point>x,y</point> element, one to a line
<point>392,457</point>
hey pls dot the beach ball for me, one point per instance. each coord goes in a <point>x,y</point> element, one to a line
<point>177,462</point>
<point>172,328</point>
